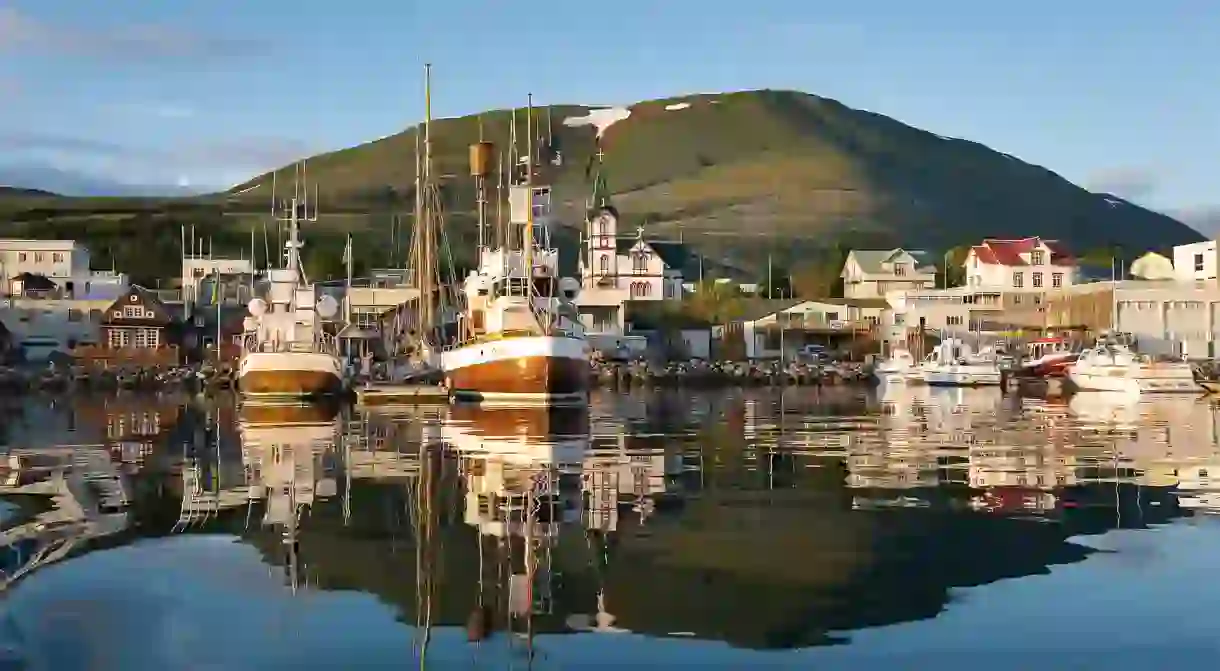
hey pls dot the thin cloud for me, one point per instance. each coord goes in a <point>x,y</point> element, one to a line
<point>20,32</point>
<point>1130,183</point>
<point>159,110</point>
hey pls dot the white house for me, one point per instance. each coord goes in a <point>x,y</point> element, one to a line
<point>614,270</point>
<point>1025,265</point>
<point>1196,261</point>
<point>63,262</point>
<point>778,329</point>
<point>870,273</point>
<point>196,267</point>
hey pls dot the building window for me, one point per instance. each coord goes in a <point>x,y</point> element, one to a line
<point>1037,258</point>
<point>133,311</point>
<point>37,257</point>
<point>1198,263</point>
<point>120,338</point>
<point>1056,280</point>
<point>1037,280</point>
<point>22,257</point>
<point>1018,280</point>
<point>640,289</point>
<point>639,262</point>
<point>604,263</point>
<point>141,339</point>
<point>75,315</point>
<point>900,270</point>
<point>953,320</point>
<point>57,257</point>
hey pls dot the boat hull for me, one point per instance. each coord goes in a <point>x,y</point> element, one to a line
<point>1146,384</point>
<point>548,369</point>
<point>961,377</point>
<point>289,375</point>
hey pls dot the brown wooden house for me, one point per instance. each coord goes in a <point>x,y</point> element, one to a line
<point>138,329</point>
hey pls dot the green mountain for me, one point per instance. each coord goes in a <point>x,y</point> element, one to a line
<point>740,177</point>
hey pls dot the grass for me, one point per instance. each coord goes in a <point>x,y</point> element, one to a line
<point>741,177</point>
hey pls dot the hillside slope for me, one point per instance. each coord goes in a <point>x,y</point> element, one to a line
<point>770,172</point>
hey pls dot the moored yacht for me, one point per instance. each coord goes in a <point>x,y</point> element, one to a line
<point>898,368</point>
<point>954,364</point>
<point>1112,366</point>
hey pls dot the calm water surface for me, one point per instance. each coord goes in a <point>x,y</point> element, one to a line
<point>918,529</point>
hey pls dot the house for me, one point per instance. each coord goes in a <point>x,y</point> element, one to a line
<point>1196,261</point>
<point>136,328</point>
<point>778,329</point>
<point>1025,265</point>
<point>869,273</point>
<point>614,270</point>
<point>42,322</point>
<point>29,285</point>
<point>196,266</point>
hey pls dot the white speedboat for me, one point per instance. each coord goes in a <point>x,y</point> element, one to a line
<point>953,364</point>
<point>899,368</point>
<point>1114,367</point>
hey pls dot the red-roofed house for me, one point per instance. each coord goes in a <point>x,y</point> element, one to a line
<point>1029,264</point>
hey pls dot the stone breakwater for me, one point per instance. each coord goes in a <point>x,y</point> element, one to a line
<point>724,374</point>
<point>75,378</point>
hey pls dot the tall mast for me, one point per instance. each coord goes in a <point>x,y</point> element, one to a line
<point>424,232</point>
<point>528,239</point>
<point>481,187</point>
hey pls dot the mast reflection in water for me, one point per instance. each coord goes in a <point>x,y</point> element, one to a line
<point>467,535</point>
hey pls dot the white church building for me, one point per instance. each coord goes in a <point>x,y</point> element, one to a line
<point>616,269</point>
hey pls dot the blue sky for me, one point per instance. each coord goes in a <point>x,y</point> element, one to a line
<point>1112,95</point>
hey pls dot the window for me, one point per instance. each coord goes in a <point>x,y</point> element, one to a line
<point>1037,280</point>
<point>900,270</point>
<point>133,311</point>
<point>1018,280</point>
<point>1056,280</point>
<point>75,315</point>
<point>1037,258</point>
<point>119,338</point>
<point>141,338</point>
<point>639,262</point>
<point>22,257</point>
<point>57,257</point>
<point>640,289</point>
<point>953,320</point>
<point>604,263</point>
<point>37,257</point>
<point>1198,263</point>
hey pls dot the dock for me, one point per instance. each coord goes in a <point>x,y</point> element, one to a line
<point>401,394</point>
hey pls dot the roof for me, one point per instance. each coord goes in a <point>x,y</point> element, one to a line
<point>672,254</point>
<point>999,252</point>
<point>851,302</point>
<point>31,282</point>
<point>870,260</point>
<point>753,309</point>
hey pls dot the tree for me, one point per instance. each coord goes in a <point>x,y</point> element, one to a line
<point>715,302</point>
<point>954,273</point>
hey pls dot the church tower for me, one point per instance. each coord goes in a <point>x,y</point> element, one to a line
<point>600,262</point>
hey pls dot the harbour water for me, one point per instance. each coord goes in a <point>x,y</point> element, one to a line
<point>827,529</point>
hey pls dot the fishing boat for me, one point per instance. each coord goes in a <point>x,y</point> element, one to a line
<point>954,364</point>
<point>520,337</point>
<point>1112,366</point>
<point>285,351</point>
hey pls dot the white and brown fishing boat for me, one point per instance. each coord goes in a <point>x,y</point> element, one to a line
<point>285,352</point>
<point>519,334</point>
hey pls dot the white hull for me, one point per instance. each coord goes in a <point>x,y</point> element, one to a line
<point>1171,378</point>
<point>519,368</point>
<point>962,376</point>
<point>906,375</point>
<point>289,374</point>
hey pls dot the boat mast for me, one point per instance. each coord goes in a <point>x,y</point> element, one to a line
<point>424,204</point>
<point>528,244</point>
